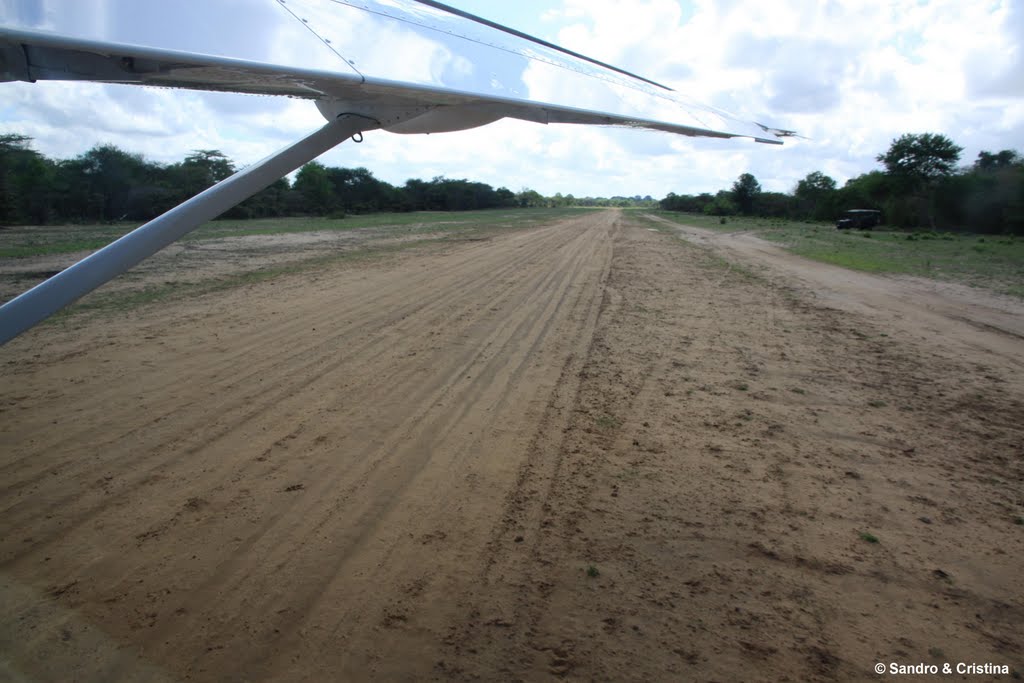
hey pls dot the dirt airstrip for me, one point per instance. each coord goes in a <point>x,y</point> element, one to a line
<point>587,450</point>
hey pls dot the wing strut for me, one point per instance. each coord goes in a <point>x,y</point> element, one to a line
<point>46,298</point>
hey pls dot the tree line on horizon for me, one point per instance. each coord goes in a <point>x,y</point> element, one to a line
<point>920,186</point>
<point>109,184</point>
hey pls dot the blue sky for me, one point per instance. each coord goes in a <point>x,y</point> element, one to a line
<point>851,75</point>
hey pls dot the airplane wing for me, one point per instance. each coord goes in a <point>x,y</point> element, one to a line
<point>382,58</point>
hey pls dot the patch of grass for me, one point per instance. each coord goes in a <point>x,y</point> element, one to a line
<point>995,263</point>
<point>962,258</point>
<point>716,261</point>
<point>593,572</point>
<point>710,257</point>
<point>36,249</point>
<point>607,422</point>
<point>742,386</point>
<point>415,229</point>
<point>798,390</point>
<point>733,224</point>
<point>125,300</point>
<point>870,538</point>
<point>877,404</point>
<point>27,241</point>
<point>1019,520</point>
<point>402,223</point>
<point>631,474</point>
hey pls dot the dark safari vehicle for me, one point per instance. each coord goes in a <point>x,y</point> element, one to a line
<point>864,219</point>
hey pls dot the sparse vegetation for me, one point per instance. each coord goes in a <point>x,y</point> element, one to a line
<point>385,234</point>
<point>998,266</point>
<point>870,538</point>
<point>877,403</point>
<point>593,572</point>
<point>26,241</point>
<point>607,422</point>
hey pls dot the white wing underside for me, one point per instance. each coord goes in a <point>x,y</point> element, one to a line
<point>413,66</point>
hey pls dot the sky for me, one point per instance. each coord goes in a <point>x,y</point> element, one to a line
<point>848,75</point>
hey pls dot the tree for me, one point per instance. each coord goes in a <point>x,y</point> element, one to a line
<point>721,205</point>
<point>987,161</point>
<point>815,183</point>
<point>992,193</point>
<point>917,162</point>
<point>867,191</point>
<point>505,197</point>
<point>208,167</point>
<point>25,182</point>
<point>267,203</point>
<point>921,159</point>
<point>314,185</point>
<point>118,183</point>
<point>198,171</point>
<point>357,191</point>
<point>529,198</point>
<point>744,192</point>
<point>686,202</point>
<point>774,204</point>
<point>816,196</point>
<point>213,162</point>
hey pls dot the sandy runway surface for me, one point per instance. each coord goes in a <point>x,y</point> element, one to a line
<point>581,451</point>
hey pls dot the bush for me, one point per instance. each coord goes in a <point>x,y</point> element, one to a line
<point>721,206</point>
